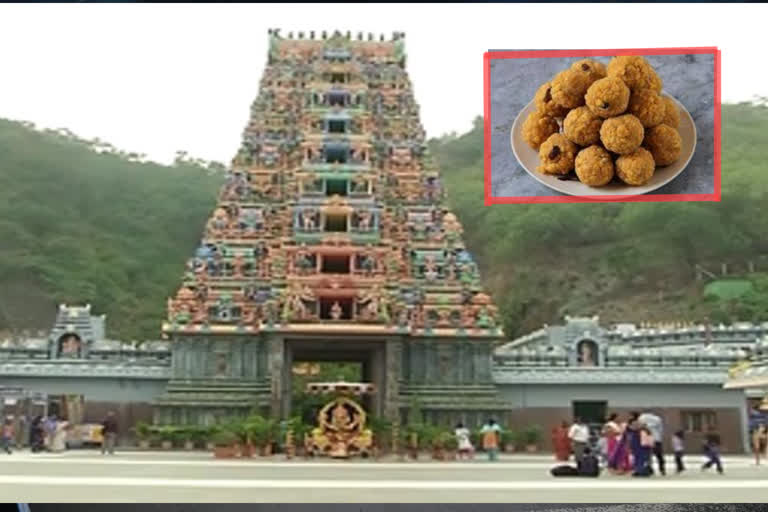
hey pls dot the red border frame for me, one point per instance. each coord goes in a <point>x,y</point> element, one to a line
<point>528,54</point>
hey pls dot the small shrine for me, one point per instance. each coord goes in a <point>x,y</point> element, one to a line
<point>341,430</point>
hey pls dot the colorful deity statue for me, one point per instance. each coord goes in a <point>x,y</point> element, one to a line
<point>363,220</point>
<point>431,272</point>
<point>303,260</point>
<point>294,304</point>
<point>336,311</point>
<point>238,266</point>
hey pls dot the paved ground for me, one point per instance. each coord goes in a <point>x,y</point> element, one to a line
<point>86,476</point>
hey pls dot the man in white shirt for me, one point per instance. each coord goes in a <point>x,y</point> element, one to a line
<point>656,426</point>
<point>579,436</point>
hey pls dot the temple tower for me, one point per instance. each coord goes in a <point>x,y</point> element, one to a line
<point>331,241</point>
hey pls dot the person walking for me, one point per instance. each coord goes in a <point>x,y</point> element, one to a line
<point>643,461</point>
<point>579,436</point>
<point>678,447</point>
<point>59,437</point>
<point>712,451</point>
<point>611,435</point>
<point>37,435</point>
<point>7,435</point>
<point>759,442</point>
<point>109,434</point>
<point>491,432</point>
<point>560,442</point>
<point>463,443</point>
<point>656,427</point>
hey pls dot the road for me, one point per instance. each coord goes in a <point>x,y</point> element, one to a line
<point>177,477</point>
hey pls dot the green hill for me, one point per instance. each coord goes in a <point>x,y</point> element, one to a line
<point>626,261</point>
<point>80,226</point>
<point>81,222</point>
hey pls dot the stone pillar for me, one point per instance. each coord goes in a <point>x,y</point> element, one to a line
<point>392,370</point>
<point>276,369</point>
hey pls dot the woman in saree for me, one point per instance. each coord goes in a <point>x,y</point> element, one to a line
<point>560,442</point>
<point>618,441</point>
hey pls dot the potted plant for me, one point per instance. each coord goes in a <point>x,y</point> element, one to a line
<point>167,435</point>
<point>509,440</point>
<point>188,435</point>
<point>440,440</point>
<point>298,430</point>
<point>207,434</point>
<point>382,434</point>
<point>531,438</point>
<point>411,439</point>
<point>143,433</point>
<point>271,429</point>
<point>255,434</point>
<point>451,446</point>
<point>226,444</point>
<point>476,438</point>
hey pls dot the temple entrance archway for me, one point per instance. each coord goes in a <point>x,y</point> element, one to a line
<point>369,355</point>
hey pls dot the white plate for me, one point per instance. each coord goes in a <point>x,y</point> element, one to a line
<point>529,159</point>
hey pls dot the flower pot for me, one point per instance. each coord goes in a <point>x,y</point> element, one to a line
<point>166,445</point>
<point>509,448</point>
<point>189,445</point>
<point>531,448</point>
<point>144,444</point>
<point>224,452</point>
<point>266,450</point>
<point>210,446</point>
<point>247,450</point>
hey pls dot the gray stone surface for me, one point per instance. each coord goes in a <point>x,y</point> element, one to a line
<point>689,78</point>
<point>179,478</point>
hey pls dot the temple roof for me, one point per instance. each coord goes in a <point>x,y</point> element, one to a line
<point>78,320</point>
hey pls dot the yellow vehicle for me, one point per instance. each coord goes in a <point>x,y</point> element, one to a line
<point>85,434</point>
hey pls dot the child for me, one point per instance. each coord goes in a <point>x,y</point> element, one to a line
<point>462,440</point>
<point>678,446</point>
<point>712,451</point>
<point>7,435</point>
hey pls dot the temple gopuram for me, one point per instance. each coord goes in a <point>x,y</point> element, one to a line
<point>331,241</point>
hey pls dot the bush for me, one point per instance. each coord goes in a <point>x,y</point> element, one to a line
<point>509,437</point>
<point>531,435</point>
<point>225,438</point>
<point>143,431</point>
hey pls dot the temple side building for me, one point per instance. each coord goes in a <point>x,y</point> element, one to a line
<point>695,376</point>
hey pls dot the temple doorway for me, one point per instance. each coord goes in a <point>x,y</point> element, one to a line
<point>324,360</point>
<point>593,413</point>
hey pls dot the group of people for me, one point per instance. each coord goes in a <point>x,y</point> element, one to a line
<point>491,434</point>
<point>49,434</point>
<point>628,447</point>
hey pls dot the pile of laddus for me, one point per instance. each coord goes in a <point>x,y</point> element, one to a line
<point>604,121</point>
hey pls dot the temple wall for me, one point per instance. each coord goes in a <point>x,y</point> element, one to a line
<point>130,399</point>
<point>435,362</point>
<point>107,389</point>
<point>620,395</point>
<point>238,358</point>
<point>547,405</point>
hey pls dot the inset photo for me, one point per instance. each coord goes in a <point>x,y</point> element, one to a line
<point>602,125</point>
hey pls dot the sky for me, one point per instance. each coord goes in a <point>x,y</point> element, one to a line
<point>155,79</point>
